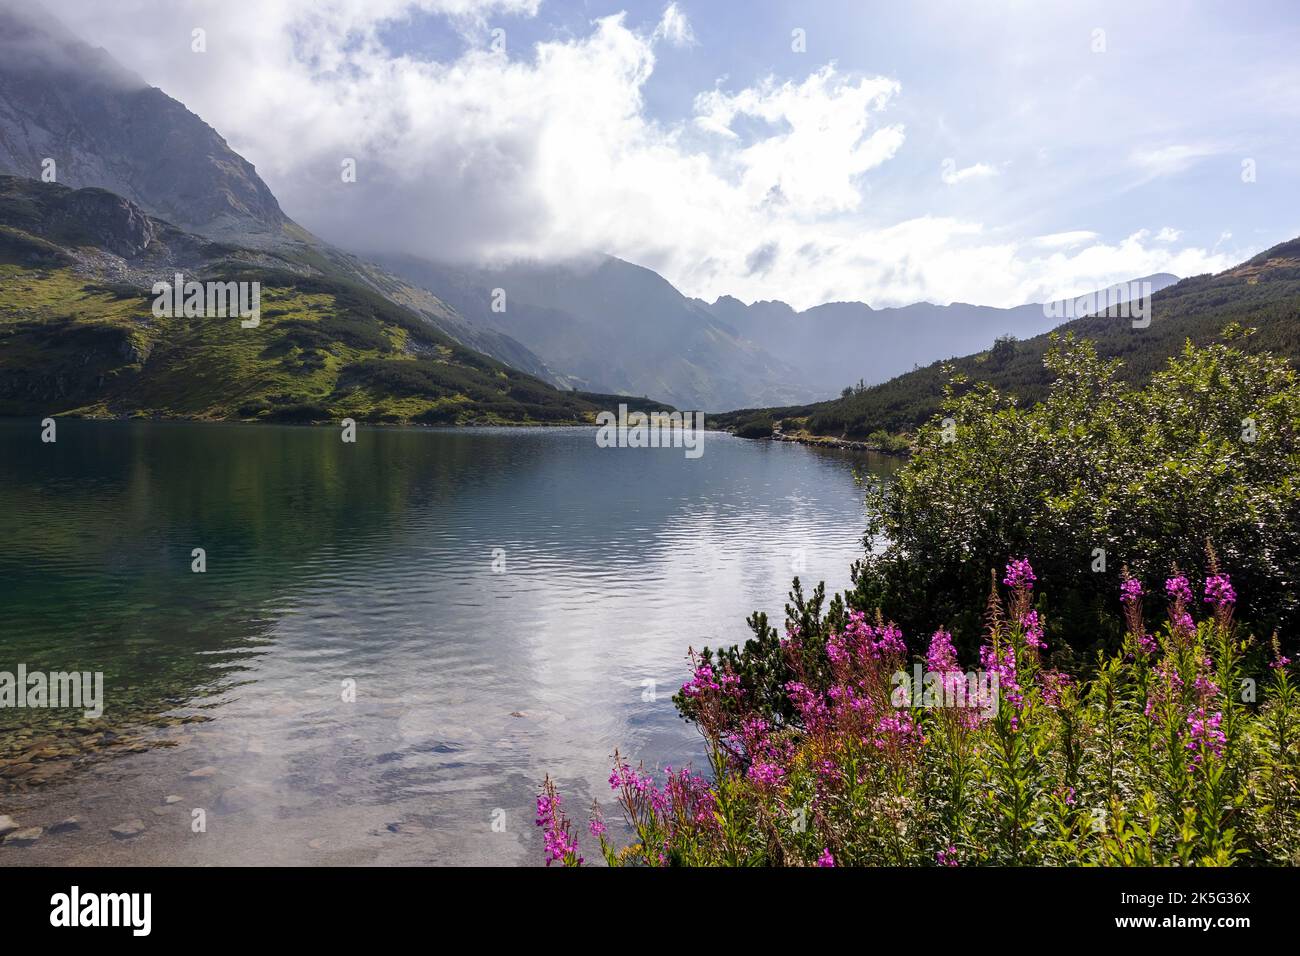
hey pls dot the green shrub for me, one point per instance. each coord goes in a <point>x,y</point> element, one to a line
<point>755,428</point>
<point>1097,477</point>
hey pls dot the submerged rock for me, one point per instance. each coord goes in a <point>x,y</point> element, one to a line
<point>66,826</point>
<point>24,837</point>
<point>128,830</point>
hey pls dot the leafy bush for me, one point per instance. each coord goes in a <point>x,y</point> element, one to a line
<point>755,428</point>
<point>1163,757</point>
<point>1096,477</point>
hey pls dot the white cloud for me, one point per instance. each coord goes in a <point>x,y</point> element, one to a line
<point>550,152</point>
<point>952,175</point>
<point>1168,234</point>
<point>1168,160</point>
<point>821,138</point>
<point>675,28</point>
<point>1064,240</point>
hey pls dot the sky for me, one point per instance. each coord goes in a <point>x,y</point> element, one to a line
<point>997,153</point>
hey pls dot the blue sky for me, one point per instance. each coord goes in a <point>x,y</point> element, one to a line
<point>996,152</point>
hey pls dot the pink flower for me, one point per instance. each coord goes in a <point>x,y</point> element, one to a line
<point>1204,736</point>
<point>947,857</point>
<point>1218,591</point>
<point>1130,592</point>
<point>765,775</point>
<point>1019,574</point>
<point>1178,590</point>
<point>1033,630</point>
<point>826,859</point>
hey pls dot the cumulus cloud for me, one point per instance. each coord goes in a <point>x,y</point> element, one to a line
<point>549,151</point>
<point>820,138</point>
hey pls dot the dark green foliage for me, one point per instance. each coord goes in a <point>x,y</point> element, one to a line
<point>1208,451</point>
<point>755,428</point>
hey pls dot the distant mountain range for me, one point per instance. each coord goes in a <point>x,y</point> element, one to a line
<point>840,343</point>
<point>1262,294</point>
<point>611,326</point>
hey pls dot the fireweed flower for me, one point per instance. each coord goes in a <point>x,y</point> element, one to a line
<point>559,843</point>
<point>1204,736</point>
<point>1033,629</point>
<point>1179,590</point>
<point>701,682</point>
<point>941,656</point>
<point>1003,664</point>
<point>765,775</point>
<point>1218,591</point>
<point>1165,689</point>
<point>845,731</point>
<point>1054,683</point>
<point>1204,685</point>
<point>1130,592</point>
<point>1019,574</point>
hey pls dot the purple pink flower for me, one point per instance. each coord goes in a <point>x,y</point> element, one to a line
<point>1179,590</point>
<point>1218,591</point>
<point>1019,574</point>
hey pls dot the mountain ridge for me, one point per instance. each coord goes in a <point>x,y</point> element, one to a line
<point>1261,294</point>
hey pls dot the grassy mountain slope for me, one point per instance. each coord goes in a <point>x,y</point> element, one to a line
<point>78,335</point>
<point>1262,293</point>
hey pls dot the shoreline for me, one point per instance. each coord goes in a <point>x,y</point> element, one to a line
<point>829,441</point>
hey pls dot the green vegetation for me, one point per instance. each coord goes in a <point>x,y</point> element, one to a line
<point>1263,293</point>
<point>324,350</point>
<point>1098,476</point>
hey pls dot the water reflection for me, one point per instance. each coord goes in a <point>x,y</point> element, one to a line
<point>370,567</point>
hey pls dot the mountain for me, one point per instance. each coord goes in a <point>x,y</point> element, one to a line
<point>840,343</point>
<point>103,126</point>
<point>1261,294</point>
<point>79,333</point>
<point>612,326</point>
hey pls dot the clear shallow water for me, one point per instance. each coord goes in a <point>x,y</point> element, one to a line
<point>374,563</point>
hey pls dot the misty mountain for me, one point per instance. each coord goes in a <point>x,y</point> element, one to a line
<point>840,343</point>
<point>610,326</point>
<point>103,126</point>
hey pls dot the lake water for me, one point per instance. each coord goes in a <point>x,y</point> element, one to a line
<point>505,602</point>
